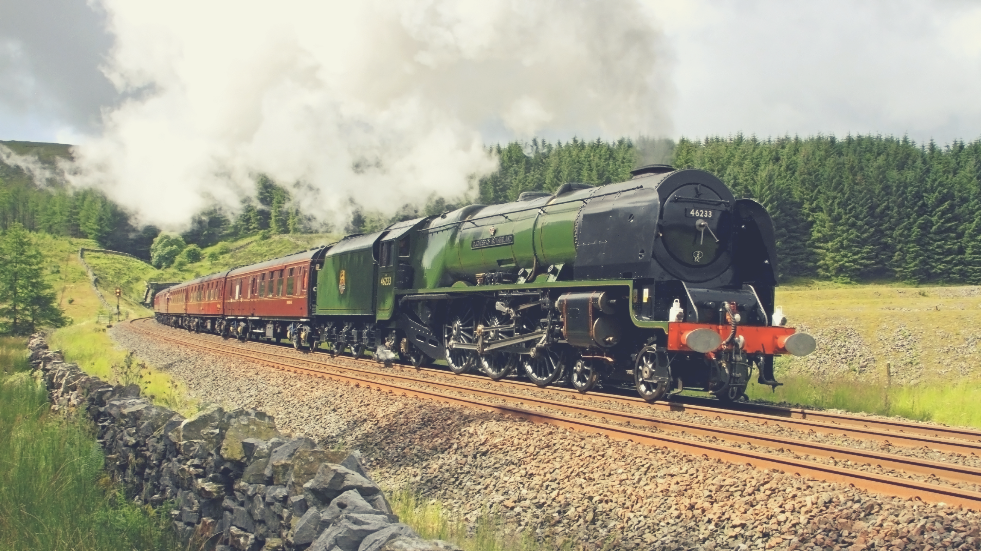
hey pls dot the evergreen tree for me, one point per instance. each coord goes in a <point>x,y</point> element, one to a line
<point>27,301</point>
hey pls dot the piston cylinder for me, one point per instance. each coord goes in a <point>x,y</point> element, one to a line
<point>587,321</point>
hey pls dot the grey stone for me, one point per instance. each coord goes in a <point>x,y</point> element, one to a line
<point>355,462</point>
<point>275,494</point>
<point>130,391</point>
<point>414,544</point>
<point>298,504</point>
<point>255,473</point>
<point>333,480</point>
<point>153,419</point>
<point>280,457</point>
<point>256,506</point>
<point>243,425</point>
<point>306,463</point>
<point>254,448</point>
<point>226,523</point>
<point>348,532</point>
<point>380,502</point>
<point>308,527</point>
<point>189,516</point>
<point>240,540</point>
<point>270,518</point>
<point>242,519</point>
<point>374,542</point>
<point>350,502</point>
<point>202,431</point>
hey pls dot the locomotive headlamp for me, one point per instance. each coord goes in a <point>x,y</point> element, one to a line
<point>702,340</point>
<point>798,344</point>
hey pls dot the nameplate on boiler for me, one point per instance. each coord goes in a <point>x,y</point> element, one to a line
<point>496,241</point>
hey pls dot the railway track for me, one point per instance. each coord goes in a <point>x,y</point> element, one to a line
<point>571,410</point>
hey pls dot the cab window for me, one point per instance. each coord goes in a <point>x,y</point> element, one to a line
<point>386,254</point>
<point>404,247</point>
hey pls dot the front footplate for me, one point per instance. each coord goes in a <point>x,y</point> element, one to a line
<point>750,339</point>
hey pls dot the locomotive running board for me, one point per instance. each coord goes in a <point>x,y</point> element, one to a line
<point>498,344</point>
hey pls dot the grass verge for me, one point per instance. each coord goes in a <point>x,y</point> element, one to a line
<point>87,343</point>
<point>53,491</point>
<point>432,521</point>
<point>950,403</point>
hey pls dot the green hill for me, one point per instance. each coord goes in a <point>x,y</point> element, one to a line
<point>131,275</point>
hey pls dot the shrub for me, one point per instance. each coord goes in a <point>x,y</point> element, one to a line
<point>165,249</point>
<point>191,253</point>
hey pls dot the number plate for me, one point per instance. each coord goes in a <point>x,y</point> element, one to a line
<point>699,213</point>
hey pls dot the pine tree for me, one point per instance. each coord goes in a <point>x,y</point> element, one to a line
<point>27,301</point>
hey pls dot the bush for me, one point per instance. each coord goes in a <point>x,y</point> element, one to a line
<point>264,234</point>
<point>165,249</point>
<point>213,256</point>
<point>192,253</point>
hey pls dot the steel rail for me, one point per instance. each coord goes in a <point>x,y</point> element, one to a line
<point>908,438</point>
<point>873,482</point>
<point>948,471</point>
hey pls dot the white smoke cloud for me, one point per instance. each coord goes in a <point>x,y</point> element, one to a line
<point>383,103</point>
<point>40,173</point>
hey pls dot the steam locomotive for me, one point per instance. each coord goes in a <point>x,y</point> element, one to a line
<point>664,282</point>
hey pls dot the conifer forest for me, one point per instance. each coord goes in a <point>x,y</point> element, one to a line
<point>858,208</point>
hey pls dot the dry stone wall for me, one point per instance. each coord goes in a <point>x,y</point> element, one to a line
<point>235,481</point>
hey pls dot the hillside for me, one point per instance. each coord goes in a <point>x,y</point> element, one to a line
<point>131,275</point>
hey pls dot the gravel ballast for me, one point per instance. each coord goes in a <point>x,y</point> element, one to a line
<point>560,484</point>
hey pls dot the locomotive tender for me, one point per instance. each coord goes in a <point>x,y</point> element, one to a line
<point>663,282</point>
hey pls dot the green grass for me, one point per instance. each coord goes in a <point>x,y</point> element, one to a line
<point>431,520</point>
<point>937,325</point>
<point>53,491</point>
<point>956,404</point>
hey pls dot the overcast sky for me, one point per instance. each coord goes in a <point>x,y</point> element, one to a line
<point>765,68</point>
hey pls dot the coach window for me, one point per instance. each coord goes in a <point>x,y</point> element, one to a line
<point>262,284</point>
<point>303,281</point>
<point>238,289</point>
<point>289,282</point>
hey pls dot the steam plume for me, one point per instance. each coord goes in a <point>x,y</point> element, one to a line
<point>384,103</point>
